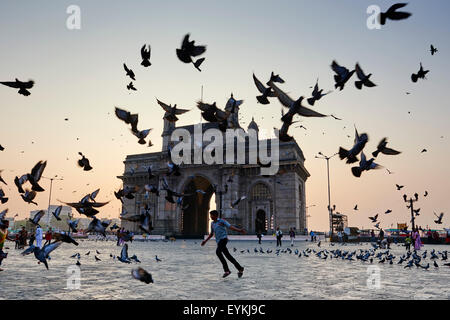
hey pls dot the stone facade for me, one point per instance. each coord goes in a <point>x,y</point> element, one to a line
<point>272,201</point>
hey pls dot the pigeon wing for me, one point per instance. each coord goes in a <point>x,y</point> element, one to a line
<point>282,96</point>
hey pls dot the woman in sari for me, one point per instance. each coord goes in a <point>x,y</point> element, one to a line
<point>417,240</point>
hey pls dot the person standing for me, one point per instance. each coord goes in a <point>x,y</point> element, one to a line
<point>219,229</point>
<point>39,236</point>
<point>417,241</point>
<point>408,242</point>
<point>381,235</point>
<point>259,236</point>
<point>292,236</point>
<point>279,235</point>
<point>23,236</point>
<point>48,236</point>
<point>32,238</point>
<point>312,235</point>
<point>4,225</point>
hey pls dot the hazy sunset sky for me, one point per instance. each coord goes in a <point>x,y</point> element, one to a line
<point>79,76</point>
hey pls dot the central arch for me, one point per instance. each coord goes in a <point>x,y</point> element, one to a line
<point>261,221</point>
<point>195,215</point>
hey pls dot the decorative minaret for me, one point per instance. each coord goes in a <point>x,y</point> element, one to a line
<point>253,125</point>
<point>167,132</point>
<point>233,119</point>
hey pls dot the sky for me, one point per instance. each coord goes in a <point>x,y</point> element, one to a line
<point>79,76</point>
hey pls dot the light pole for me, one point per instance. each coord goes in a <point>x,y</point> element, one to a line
<point>307,216</point>
<point>220,193</point>
<point>411,206</point>
<point>50,195</point>
<point>322,156</point>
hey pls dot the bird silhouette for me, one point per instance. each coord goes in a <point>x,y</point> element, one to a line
<point>363,78</point>
<point>188,50</point>
<point>393,14</point>
<point>342,75</point>
<point>22,86</point>
<point>145,54</point>
<point>129,72</point>
<point>421,74</point>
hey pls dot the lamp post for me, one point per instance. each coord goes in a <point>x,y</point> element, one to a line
<point>50,195</point>
<point>307,216</point>
<point>411,206</point>
<point>322,156</point>
<point>220,193</point>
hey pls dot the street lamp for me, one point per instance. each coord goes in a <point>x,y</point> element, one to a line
<point>322,156</point>
<point>220,193</point>
<point>307,216</point>
<point>411,206</point>
<point>50,195</point>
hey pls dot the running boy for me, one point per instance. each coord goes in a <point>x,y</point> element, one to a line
<point>219,228</point>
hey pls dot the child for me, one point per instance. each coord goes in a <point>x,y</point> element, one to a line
<point>408,242</point>
<point>218,227</point>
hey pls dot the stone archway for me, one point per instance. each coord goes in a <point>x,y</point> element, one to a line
<point>260,221</point>
<point>194,218</point>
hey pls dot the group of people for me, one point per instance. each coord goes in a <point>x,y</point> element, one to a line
<point>21,238</point>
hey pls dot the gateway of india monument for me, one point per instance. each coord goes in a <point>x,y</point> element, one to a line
<point>271,200</point>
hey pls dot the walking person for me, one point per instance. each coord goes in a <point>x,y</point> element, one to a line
<point>48,236</point>
<point>39,236</point>
<point>279,235</point>
<point>219,229</point>
<point>292,236</point>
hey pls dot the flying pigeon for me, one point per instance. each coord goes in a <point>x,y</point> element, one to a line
<point>393,14</point>
<point>84,162</point>
<point>383,149</point>
<point>266,92</point>
<point>421,74</point>
<point>145,54</point>
<point>342,75</point>
<point>142,275</point>
<point>22,86</point>
<point>188,50</point>
<point>363,78</point>
<point>129,72</point>
<point>359,144</point>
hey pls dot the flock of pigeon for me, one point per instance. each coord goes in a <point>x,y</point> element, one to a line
<point>364,255</point>
<point>223,118</point>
